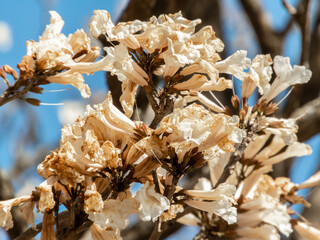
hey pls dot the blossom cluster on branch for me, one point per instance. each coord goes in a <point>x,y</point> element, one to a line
<point>105,152</point>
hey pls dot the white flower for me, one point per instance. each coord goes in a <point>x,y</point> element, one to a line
<point>54,49</point>
<point>235,64</point>
<point>92,199</point>
<point>100,22</point>
<point>5,210</point>
<point>46,201</point>
<point>5,216</point>
<point>260,72</point>
<point>286,77</point>
<point>306,231</point>
<point>152,204</point>
<point>194,126</point>
<point>99,233</point>
<point>263,232</point>
<point>266,209</point>
<point>263,205</point>
<point>276,151</point>
<point>218,201</point>
<point>115,213</point>
<point>91,144</point>
<point>314,180</point>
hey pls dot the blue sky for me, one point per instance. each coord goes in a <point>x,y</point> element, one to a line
<point>27,20</point>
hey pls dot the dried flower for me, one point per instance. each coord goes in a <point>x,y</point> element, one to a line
<point>152,204</point>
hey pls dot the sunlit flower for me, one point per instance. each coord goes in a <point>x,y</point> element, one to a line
<point>92,143</point>
<point>115,212</point>
<point>5,210</point>
<point>46,201</point>
<point>47,231</point>
<point>54,50</point>
<point>263,205</point>
<point>194,126</point>
<point>306,231</point>
<point>286,77</point>
<point>99,233</point>
<point>218,201</point>
<point>152,204</point>
<point>235,64</point>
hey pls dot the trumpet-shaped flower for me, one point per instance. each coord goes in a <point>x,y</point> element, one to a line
<point>152,204</point>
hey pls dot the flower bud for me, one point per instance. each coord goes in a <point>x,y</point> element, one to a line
<point>7,69</point>
<point>2,73</point>
<point>36,89</point>
<point>235,102</point>
<point>33,101</point>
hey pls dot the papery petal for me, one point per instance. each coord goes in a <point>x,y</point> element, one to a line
<point>235,64</point>
<point>260,72</point>
<point>210,104</point>
<point>127,98</point>
<point>294,150</point>
<point>152,204</point>
<point>5,210</point>
<point>26,209</point>
<point>306,231</point>
<point>100,22</point>
<point>189,219</point>
<point>47,231</point>
<point>314,180</point>
<point>193,83</point>
<point>264,232</point>
<point>223,190</point>
<point>6,217</point>
<point>286,76</point>
<point>115,213</point>
<point>98,233</point>
<point>46,201</point>
<point>220,207</point>
<point>73,78</point>
<point>55,26</point>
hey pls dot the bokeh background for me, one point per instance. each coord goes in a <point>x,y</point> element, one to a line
<point>28,133</point>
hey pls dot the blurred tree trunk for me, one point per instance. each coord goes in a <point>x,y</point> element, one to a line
<point>7,192</point>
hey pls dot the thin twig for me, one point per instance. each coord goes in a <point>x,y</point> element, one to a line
<point>236,156</point>
<point>13,92</point>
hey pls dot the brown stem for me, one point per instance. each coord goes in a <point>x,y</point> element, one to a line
<point>304,21</point>
<point>236,156</point>
<point>308,118</point>
<point>161,109</point>
<point>13,92</point>
<point>269,40</point>
<point>64,218</point>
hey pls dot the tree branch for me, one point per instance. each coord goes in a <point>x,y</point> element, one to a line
<point>269,40</point>
<point>308,119</point>
<point>13,92</point>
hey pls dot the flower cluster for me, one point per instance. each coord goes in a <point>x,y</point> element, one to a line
<point>104,152</point>
<point>166,47</point>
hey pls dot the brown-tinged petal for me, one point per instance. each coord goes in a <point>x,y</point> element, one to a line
<point>47,231</point>
<point>99,233</point>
